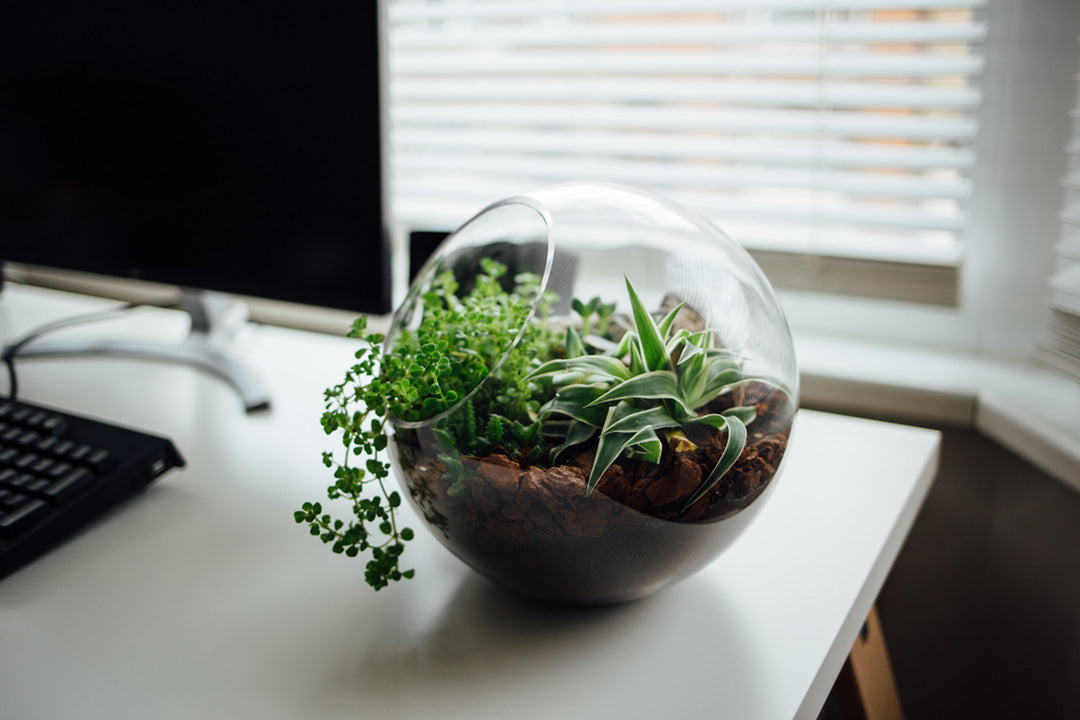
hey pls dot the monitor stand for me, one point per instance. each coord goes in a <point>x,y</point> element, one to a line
<point>215,321</point>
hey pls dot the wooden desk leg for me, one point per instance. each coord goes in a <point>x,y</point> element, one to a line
<point>866,688</point>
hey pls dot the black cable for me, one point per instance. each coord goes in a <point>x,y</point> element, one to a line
<point>13,349</point>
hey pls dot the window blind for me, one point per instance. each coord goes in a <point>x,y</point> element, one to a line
<point>1060,344</point>
<point>832,138</point>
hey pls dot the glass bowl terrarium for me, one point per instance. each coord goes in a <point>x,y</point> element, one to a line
<point>599,390</point>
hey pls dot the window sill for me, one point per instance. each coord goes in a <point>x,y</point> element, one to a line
<point>1031,410</point>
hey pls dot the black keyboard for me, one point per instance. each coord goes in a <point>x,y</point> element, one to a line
<point>59,471</point>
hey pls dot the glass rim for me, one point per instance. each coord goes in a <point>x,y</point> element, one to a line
<point>411,298</point>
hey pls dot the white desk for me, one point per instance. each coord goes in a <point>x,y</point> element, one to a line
<point>202,598</point>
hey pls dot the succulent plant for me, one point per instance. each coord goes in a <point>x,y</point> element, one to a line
<point>642,394</point>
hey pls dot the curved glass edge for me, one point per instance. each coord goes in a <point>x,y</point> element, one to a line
<point>427,272</point>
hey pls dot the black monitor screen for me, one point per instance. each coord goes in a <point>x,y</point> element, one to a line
<point>228,146</point>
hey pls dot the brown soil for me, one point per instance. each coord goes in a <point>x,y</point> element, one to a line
<point>501,499</point>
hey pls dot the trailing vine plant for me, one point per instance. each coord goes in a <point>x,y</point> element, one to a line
<point>356,407</point>
<point>456,346</point>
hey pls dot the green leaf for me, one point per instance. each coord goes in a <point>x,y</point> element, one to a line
<point>575,401</point>
<point>693,376</point>
<point>603,365</point>
<point>574,347</point>
<point>655,385</point>
<point>713,420</point>
<point>678,339</point>
<point>575,435</point>
<point>609,449</point>
<point>645,445</point>
<point>717,386</point>
<point>637,355</point>
<point>720,381</point>
<point>612,445</point>
<point>773,382</point>
<point>495,429</point>
<point>620,411</point>
<point>665,325</point>
<point>656,418</point>
<point>652,342</point>
<point>736,441</point>
<point>746,413</point>
<point>695,344</point>
<point>614,415</point>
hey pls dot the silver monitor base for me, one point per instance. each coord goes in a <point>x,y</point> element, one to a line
<point>215,320</point>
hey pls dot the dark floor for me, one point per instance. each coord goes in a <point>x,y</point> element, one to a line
<point>981,611</point>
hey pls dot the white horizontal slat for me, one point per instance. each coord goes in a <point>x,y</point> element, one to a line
<point>652,173</point>
<point>400,11</point>
<point>850,244</point>
<point>1068,339</point>
<point>557,33</point>
<point>846,213</point>
<point>805,152</point>
<point>1067,280</point>
<point>1068,249</point>
<point>1070,215</point>
<point>532,63</point>
<point>766,93</point>
<point>468,194</point>
<point>692,118</point>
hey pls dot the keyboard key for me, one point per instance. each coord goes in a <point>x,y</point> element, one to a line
<point>24,461</point>
<point>68,486</point>
<point>78,452</point>
<point>57,470</point>
<point>10,500</point>
<point>54,425</point>
<point>16,521</point>
<point>36,418</point>
<point>23,481</point>
<point>46,444</point>
<point>34,484</point>
<point>26,439</point>
<point>100,461</point>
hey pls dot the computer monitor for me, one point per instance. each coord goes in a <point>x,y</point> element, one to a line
<point>227,146</point>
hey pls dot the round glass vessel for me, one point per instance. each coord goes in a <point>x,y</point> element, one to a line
<point>617,385</point>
